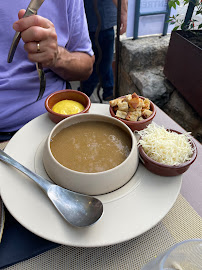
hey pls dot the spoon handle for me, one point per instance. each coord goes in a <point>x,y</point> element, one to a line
<point>43,183</point>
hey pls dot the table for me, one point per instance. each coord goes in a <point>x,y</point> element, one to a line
<point>184,221</point>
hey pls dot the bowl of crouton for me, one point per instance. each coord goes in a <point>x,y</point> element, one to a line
<point>135,111</point>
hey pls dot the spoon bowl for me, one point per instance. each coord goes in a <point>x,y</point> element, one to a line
<point>78,209</point>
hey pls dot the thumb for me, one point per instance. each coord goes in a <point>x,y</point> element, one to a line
<point>21,13</point>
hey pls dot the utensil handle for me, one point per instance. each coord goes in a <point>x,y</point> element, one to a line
<point>43,183</point>
<point>29,11</point>
<point>17,36</point>
<point>42,80</point>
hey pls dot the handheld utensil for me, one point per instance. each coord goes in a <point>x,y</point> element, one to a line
<point>78,209</point>
<point>32,9</point>
<point>42,80</point>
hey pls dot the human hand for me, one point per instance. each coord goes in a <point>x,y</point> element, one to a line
<point>38,30</point>
<point>124,10</point>
<point>123,22</point>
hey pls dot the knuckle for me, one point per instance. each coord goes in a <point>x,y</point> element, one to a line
<point>53,47</point>
<point>37,35</point>
<point>50,59</point>
<point>29,47</point>
<point>53,35</point>
<point>36,20</point>
<point>51,24</point>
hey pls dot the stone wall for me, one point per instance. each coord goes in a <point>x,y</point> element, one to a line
<point>141,71</point>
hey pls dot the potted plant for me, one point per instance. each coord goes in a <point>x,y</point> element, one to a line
<point>183,63</point>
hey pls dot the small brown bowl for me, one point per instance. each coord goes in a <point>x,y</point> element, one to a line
<point>137,125</point>
<point>69,94</point>
<point>166,170</point>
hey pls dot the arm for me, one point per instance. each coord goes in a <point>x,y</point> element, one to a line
<point>73,66</point>
<point>68,65</point>
<point>124,10</point>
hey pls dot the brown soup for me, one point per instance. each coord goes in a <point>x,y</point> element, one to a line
<point>91,146</point>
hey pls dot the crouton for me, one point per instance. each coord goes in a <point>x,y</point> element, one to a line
<point>131,107</point>
<point>139,111</point>
<point>123,106</point>
<point>115,102</point>
<point>146,104</point>
<point>134,95</point>
<point>128,97</point>
<point>132,116</point>
<point>121,114</point>
<point>146,113</point>
<point>133,103</point>
<point>140,104</point>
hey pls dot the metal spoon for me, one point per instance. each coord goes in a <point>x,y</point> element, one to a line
<point>78,209</point>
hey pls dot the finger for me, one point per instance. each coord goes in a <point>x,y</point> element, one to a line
<point>45,58</point>
<point>44,45</point>
<point>123,24</point>
<point>122,29</point>
<point>37,57</point>
<point>34,20</point>
<point>21,13</point>
<point>36,33</point>
<point>31,47</point>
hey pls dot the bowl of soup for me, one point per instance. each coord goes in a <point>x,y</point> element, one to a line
<point>91,154</point>
<point>65,103</point>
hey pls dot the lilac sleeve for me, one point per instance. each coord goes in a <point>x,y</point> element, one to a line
<point>78,40</point>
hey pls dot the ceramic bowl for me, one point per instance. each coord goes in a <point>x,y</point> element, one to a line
<point>136,125</point>
<point>69,94</point>
<point>90,183</point>
<point>166,170</point>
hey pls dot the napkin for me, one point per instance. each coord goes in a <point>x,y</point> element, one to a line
<point>19,244</point>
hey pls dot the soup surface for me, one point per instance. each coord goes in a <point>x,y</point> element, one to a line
<point>91,146</point>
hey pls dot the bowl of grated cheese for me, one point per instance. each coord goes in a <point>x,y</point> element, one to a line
<point>166,152</point>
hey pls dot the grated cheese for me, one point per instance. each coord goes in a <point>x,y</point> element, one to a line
<point>164,146</point>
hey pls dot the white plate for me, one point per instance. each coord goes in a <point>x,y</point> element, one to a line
<point>128,212</point>
<point>1,218</point>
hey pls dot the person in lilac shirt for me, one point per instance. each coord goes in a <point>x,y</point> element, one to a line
<point>66,54</point>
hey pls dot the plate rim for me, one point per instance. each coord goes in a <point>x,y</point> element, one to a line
<point>2,218</point>
<point>105,243</point>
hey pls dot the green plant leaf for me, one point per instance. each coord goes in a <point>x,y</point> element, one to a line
<point>172,3</point>
<point>200,26</point>
<point>186,2</point>
<point>175,28</point>
<point>169,4</point>
<point>191,24</point>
